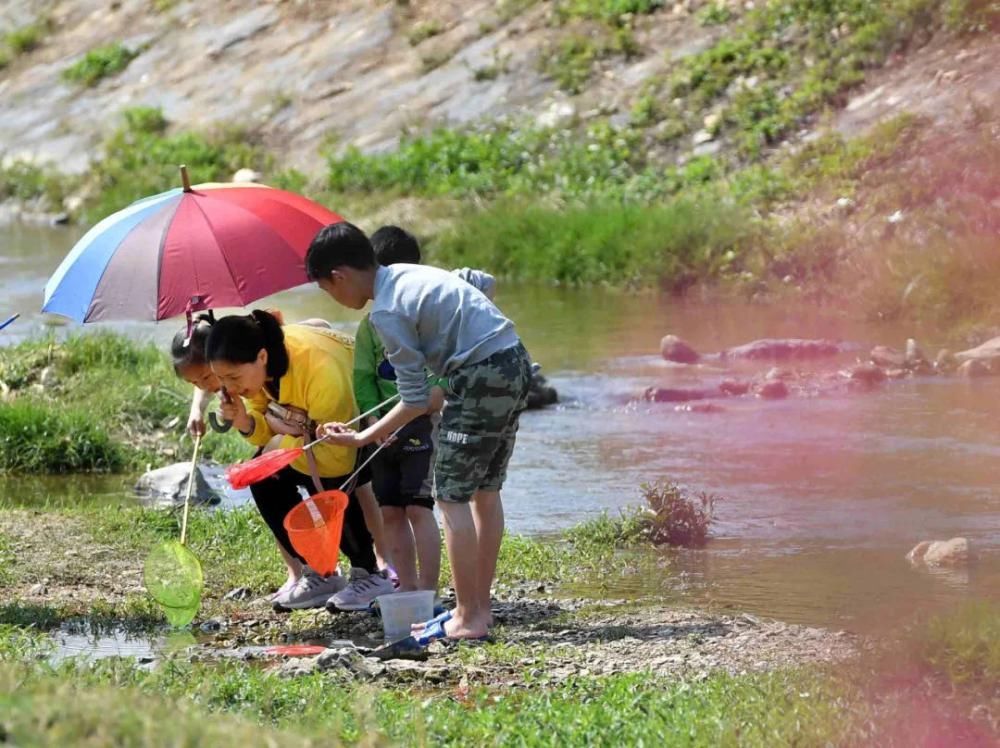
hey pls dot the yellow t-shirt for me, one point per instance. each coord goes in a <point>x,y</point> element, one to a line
<point>319,381</point>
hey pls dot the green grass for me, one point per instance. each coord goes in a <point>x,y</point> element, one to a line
<point>775,709</point>
<point>44,710</point>
<point>39,439</point>
<point>964,646</point>
<point>609,11</point>
<point>786,707</point>
<point>141,158</point>
<point>26,38</point>
<point>100,63</point>
<point>424,30</point>
<point>671,244</point>
<point>121,395</point>
<point>571,60</point>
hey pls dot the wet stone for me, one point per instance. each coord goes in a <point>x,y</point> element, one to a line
<point>239,593</point>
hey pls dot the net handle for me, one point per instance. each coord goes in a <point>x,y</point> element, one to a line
<point>190,489</point>
<point>353,421</point>
<point>385,443</point>
<point>314,513</point>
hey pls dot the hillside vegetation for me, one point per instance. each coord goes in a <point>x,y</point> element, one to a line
<point>718,161</point>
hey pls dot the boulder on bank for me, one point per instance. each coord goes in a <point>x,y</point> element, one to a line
<point>166,487</point>
<point>954,552</point>
<point>782,349</point>
<point>673,348</point>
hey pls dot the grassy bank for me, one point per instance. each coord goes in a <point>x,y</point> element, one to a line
<point>95,403</point>
<point>122,703</point>
<point>237,550</point>
<point>114,701</point>
<point>918,690</point>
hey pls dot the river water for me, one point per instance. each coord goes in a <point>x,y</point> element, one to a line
<point>822,496</point>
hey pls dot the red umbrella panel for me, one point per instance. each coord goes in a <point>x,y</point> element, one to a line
<point>213,245</point>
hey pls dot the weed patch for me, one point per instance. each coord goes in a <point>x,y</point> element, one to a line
<point>100,63</point>
<point>38,439</point>
<point>26,38</point>
<point>670,244</point>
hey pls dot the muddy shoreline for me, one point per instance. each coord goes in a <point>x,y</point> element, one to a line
<point>543,636</point>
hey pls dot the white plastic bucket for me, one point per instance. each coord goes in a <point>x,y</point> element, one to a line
<point>400,610</point>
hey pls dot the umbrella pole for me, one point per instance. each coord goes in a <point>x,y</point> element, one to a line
<point>185,179</point>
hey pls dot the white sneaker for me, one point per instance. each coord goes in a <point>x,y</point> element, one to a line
<point>362,591</point>
<point>312,591</point>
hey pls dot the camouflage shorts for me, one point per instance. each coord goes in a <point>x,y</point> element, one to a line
<point>479,424</point>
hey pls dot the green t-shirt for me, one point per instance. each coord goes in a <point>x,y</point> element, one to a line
<point>374,376</point>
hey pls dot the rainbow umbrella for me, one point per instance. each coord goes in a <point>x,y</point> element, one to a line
<point>185,250</point>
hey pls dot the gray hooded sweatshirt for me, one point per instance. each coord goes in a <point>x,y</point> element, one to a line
<point>429,318</point>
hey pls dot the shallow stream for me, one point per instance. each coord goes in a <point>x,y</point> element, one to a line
<point>822,495</point>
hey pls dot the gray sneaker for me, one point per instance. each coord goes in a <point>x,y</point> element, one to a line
<point>312,591</point>
<point>362,591</point>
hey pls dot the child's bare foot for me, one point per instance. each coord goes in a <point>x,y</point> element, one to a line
<point>472,628</point>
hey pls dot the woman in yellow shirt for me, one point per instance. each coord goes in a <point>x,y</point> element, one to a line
<point>285,381</point>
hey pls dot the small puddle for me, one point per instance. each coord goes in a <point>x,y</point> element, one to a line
<point>144,648</point>
<point>73,641</point>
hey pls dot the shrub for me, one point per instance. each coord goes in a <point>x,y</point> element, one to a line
<point>571,61</point>
<point>668,244</point>
<point>99,63</point>
<point>140,159</point>
<point>26,180</point>
<point>972,16</point>
<point>25,39</point>
<point>424,30</point>
<point>36,438</point>
<point>964,645</point>
<point>676,517</point>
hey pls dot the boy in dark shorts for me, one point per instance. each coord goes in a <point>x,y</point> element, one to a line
<point>401,473</point>
<point>429,318</point>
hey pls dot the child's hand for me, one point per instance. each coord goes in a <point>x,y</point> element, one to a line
<point>196,424</point>
<point>339,434</point>
<point>233,409</point>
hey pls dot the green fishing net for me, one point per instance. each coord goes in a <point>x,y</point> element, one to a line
<point>174,578</point>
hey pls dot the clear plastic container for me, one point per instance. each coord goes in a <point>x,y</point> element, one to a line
<point>400,610</point>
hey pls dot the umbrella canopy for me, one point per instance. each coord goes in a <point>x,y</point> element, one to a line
<point>185,250</point>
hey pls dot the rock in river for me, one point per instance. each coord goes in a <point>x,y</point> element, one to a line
<point>987,354</point>
<point>167,486</point>
<point>954,552</point>
<point>782,349</point>
<point>672,348</point>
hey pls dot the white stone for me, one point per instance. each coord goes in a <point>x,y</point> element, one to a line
<point>702,136</point>
<point>954,552</point>
<point>559,114</point>
<point>247,175</point>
